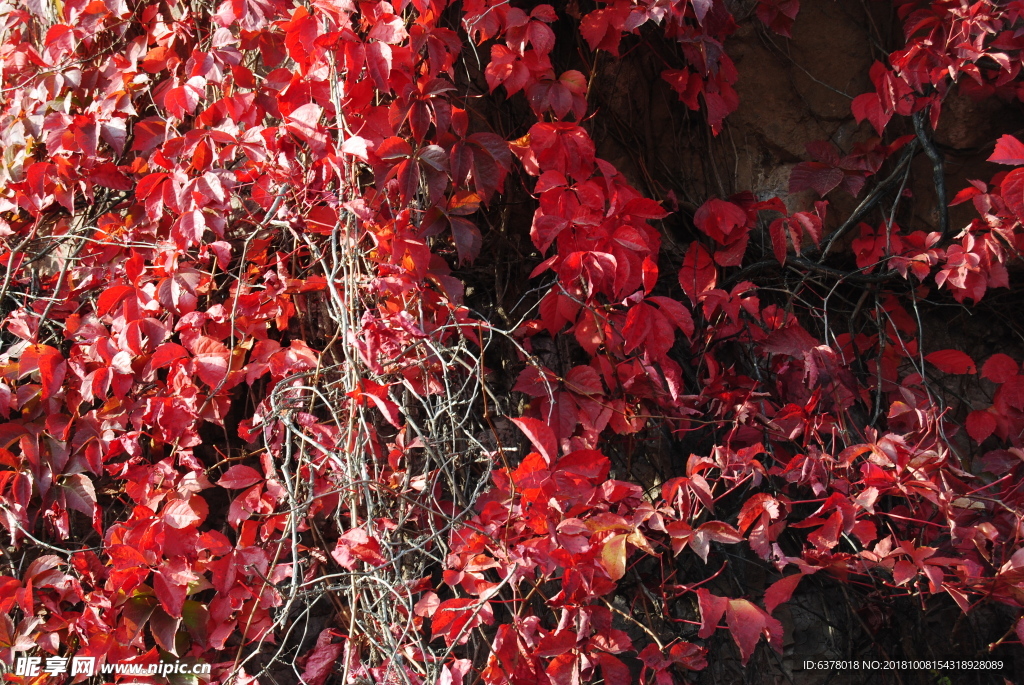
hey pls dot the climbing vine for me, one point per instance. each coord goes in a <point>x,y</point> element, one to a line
<point>252,419</point>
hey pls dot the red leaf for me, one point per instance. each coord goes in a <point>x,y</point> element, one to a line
<point>780,591</point>
<point>164,628</point>
<point>1012,392</point>
<point>711,609</point>
<point>952,362</point>
<point>612,640</point>
<point>323,658</point>
<point>777,231</point>
<point>613,669</point>
<point>377,394</point>
<point>1008,150</point>
<point>455,618</point>
<point>869,106</point>
<point>792,340</point>
<point>427,604</point>
<point>79,493</point>
<point>378,62</point>
<point>210,360</point>
<point>583,380</point>
<point>747,622</point>
<point>699,273</point>
<point>646,326</point>
<point>778,15</point>
<point>701,9</point>
<point>183,100</point>
<point>827,536</point>
<point>149,133</point>
<point>980,425</point>
<point>1012,189</point>
<point>300,33</point>
<point>167,354</point>
<point>356,146</point>
<point>589,464</point>
<point>865,531</point>
<point>967,193</point>
<point>564,669</point>
<point>109,176</point>
<point>814,176</point>
<point>240,476</point>
<point>171,585</point>
<point>720,220</point>
<point>356,544</point>
<point>720,531</point>
<point>556,643</point>
<point>388,28</point>
<point>179,514</point>
<point>394,149</point>
<point>999,368</point>
<point>506,68</point>
<point>753,508</point>
<point>676,313</point>
<point>688,655</point>
<point>598,30</point>
<point>613,556</point>
<point>542,437</point>
<point>467,239</point>
<point>645,208</point>
<point>49,363</point>
<point>535,381</point>
<point>304,122</point>
<point>903,572</point>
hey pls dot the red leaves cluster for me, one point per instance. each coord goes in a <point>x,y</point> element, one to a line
<point>220,189</point>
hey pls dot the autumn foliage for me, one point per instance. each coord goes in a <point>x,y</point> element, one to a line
<point>250,418</point>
